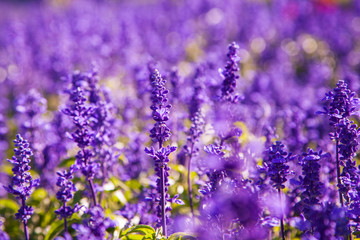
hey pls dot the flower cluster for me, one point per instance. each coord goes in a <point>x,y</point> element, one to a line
<point>30,107</point>
<point>23,184</point>
<point>80,113</point>
<point>284,52</point>
<point>95,226</point>
<point>312,188</point>
<point>230,74</point>
<point>83,135</point>
<point>161,159</point>
<point>194,133</point>
<point>159,134</point>
<point>65,194</point>
<point>343,104</point>
<point>275,161</point>
<point>160,109</point>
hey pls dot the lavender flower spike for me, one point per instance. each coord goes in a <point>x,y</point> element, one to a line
<point>23,184</point>
<point>230,74</point>
<point>343,104</point>
<point>159,134</point>
<point>278,171</point>
<point>194,133</point>
<point>83,136</point>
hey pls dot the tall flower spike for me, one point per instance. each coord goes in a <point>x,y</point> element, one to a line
<point>310,182</point>
<point>194,133</point>
<point>160,109</point>
<point>275,161</point>
<point>159,134</point>
<point>80,113</point>
<point>343,104</point>
<point>350,176</point>
<point>102,122</point>
<point>23,184</point>
<point>230,74</point>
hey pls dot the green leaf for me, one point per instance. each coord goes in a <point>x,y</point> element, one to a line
<point>67,162</point>
<point>181,236</point>
<point>57,227</point>
<point>140,232</point>
<point>135,237</point>
<point>9,204</point>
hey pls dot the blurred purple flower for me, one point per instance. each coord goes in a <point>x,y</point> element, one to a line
<point>95,226</point>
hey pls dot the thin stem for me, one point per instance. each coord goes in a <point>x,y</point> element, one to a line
<point>26,232</point>
<point>92,188</point>
<point>163,193</point>
<point>282,217</point>
<point>93,194</point>
<point>189,181</point>
<point>103,180</point>
<point>338,172</point>
<point>65,220</point>
<point>163,202</point>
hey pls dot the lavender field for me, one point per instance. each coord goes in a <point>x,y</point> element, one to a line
<point>179,119</point>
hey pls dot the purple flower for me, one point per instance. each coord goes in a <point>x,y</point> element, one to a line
<point>65,194</point>
<point>230,210</point>
<point>3,139</point>
<point>312,188</point>
<point>161,159</point>
<point>23,184</point>
<point>80,112</point>
<point>194,133</point>
<point>101,121</point>
<point>198,97</point>
<point>349,185</point>
<point>95,226</point>
<point>30,108</point>
<point>330,222</point>
<point>342,104</point>
<point>159,134</point>
<point>275,160</point>
<point>230,74</point>
<point>160,109</point>
<point>3,235</point>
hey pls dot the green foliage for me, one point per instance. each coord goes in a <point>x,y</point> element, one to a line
<point>181,236</point>
<point>57,227</point>
<point>66,163</point>
<point>8,205</point>
<point>140,232</point>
